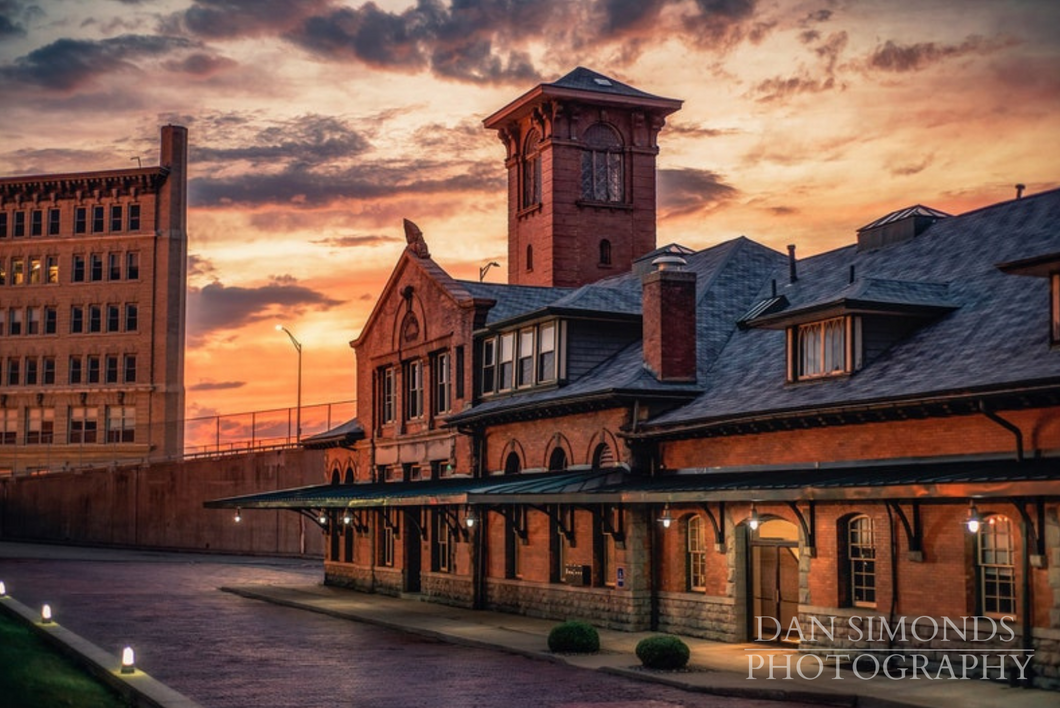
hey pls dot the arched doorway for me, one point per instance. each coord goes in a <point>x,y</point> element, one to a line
<point>774,579</point>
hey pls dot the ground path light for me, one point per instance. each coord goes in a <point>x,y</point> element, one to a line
<point>46,614</point>
<point>128,661</point>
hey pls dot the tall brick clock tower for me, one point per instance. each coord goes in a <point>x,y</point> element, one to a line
<point>581,178</point>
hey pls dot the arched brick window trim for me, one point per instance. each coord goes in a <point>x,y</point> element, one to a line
<point>557,459</point>
<point>512,463</point>
<point>531,171</point>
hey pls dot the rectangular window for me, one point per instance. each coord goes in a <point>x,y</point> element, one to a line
<point>506,361</point>
<point>34,270</point>
<point>40,426</point>
<point>3,271</point>
<point>132,265</point>
<point>385,555</point>
<point>441,373</point>
<point>121,424</point>
<point>36,223</point>
<point>95,318</point>
<point>112,369</point>
<point>80,220</point>
<point>489,364</point>
<point>84,423</point>
<point>31,371</point>
<point>113,266</point>
<point>20,224</point>
<point>97,219</point>
<point>92,375</point>
<point>113,318</point>
<point>48,371</point>
<point>51,320</point>
<point>3,321</point>
<point>96,272</point>
<point>3,224</point>
<point>822,348</point>
<point>458,369</point>
<point>78,269</point>
<point>51,263</point>
<point>14,372</point>
<point>697,554</point>
<point>75,370</point>
<point>134,217</point>
<point>18,271</point>
<point>413,389</point>
<point>53,222</point>
<point>115,217</point>
<point>997,570</point>
<point>442,550</point>
<point>1054,292</point>
<point>525,365</point>
<point>77,319</point>
<point>32,320</point>
<point>129,369</point>
<point>14,321</point>
<point>387,395</point>
<point>131,317</point>
<point>546,352</point>
<point>861,554</point>
<point>8,426</point>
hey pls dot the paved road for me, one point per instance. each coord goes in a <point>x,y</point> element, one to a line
<point>226,651</point>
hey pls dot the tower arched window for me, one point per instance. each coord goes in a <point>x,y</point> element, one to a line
<point>529,257</point>
<point>605,252</point>
<point>531,170</point>
<point>602,173</point>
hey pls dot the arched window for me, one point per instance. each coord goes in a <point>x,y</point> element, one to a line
<point>531,170</point>
<point>557,460</point>
<point>861,557</point>
<point>529,257</point>
<point>512,464</point>
<point>603,456</point>
<point>602,175</point>
<point>996,567</point>
<point>605,252</point>
<point>349,475</point>
<point>696,554</point>
<point>335,475</point>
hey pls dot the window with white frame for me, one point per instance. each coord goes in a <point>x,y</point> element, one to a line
<point>546,352</point>
<point>825,348</point>
<point>529,356</point>
<point>413,389</point>
<point>861,556</point>
<point>507,361</point>
<point>489,365</point>
<point>121,424</point>
<point>524,371</point>
<point>387,394</point>
<point>696,554</point>
<point>996,567</point>
<point>441,374</point>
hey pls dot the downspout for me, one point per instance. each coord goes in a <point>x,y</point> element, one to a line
<point>1007,425</point>
<point>894,572</point>
<point>653,551</point>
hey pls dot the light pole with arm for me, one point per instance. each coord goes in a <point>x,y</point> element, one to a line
<point>298,414</point>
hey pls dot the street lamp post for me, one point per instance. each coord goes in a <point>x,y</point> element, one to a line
<point>298,414</point>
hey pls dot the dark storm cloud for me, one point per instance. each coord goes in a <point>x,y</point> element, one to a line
<point>686,191</point>
<point>67,64</point>
<point>200,64</point>
<point>304,141</point>
<point>223,19</point>
<point>807,80</point>
<point>297,185</point>
<point>896,57</point>
<point>217,385</point>
<point>14,16</point>
<point>217,307</point>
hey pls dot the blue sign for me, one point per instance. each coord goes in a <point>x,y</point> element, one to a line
<point>620,577</point>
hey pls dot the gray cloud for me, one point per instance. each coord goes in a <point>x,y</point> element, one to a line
<point>686,191</point>
<point>354,241</point>
<point>898,58</point>
<point>217,307</point>
<point>306,141</point>
<point>216,385</point>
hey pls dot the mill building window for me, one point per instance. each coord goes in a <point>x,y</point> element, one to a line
<point>40,426</point>
<point>53,222</point>
<point>84,422</point>
<point>121,424</point>
<point>8,426</point>
<point>602,173</point>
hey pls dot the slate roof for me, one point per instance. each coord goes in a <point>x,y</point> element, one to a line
<point>916,210</point>
<point>584,79</point>
<point>512,300</point>
<point>996,338</point>
<point>343,434</point>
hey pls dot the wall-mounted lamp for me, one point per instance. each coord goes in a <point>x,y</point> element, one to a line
<point>469,518</point>
<point>973,522</point>
<point>347,518</point>
<point>46,614</point>
<point>665,519</point>
<point>754,521</point>
<point>323,519</point>
<point>239,516</point>
<point>128,661</point>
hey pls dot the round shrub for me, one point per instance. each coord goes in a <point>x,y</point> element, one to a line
<point>574,637</point>
<point>662,652</point>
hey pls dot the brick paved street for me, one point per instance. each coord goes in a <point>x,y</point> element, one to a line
<point>227,651</point>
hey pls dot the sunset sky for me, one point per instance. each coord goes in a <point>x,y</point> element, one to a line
<point>316,126</point>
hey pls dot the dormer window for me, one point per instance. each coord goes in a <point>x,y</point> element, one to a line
<point>519,359</point>
<point>824,348</point>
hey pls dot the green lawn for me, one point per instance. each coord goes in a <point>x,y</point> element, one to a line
<point>32,674</point>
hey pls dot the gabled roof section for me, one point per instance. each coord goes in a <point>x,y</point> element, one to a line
<point>342,435</point>
<point>512,300</point>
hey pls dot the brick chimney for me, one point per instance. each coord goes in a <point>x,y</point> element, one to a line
<point>669,320</point>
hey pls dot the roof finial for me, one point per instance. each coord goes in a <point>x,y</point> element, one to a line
<point>414,236</point>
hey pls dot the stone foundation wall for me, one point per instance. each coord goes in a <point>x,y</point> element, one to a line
<point>698,615</point>
<point>604,607</point>
<point>447,589</point>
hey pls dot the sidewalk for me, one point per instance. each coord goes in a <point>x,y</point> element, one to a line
<point>715,667</point>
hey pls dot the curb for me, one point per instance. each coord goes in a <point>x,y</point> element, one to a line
<point>138,688</point>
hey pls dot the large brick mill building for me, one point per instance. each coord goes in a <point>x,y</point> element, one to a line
<point>92,314</point>
<point>686,441</point>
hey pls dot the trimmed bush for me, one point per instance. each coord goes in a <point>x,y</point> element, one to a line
<point>662,652</point>
<point>574,637</point>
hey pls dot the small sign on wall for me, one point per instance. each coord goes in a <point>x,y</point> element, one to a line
<point>620,577</point>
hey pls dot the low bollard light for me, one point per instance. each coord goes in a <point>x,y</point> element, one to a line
<point>128,661</point>
<point>46,614</point>
<point>3,589</point>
